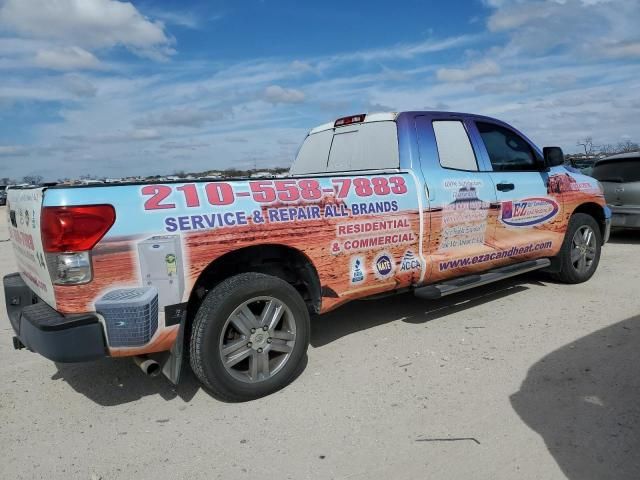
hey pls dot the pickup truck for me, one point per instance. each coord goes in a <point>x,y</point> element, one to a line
<point>225,274</point>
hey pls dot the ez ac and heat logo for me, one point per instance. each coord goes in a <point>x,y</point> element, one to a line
<point>383,265</point>
<point>528,212</point>
<point>409,262</point>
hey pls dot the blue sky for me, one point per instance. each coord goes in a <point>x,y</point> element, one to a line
<point>115,88</point>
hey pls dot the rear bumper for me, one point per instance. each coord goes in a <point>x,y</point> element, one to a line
<point>40,328</point>
<point>625,217</point>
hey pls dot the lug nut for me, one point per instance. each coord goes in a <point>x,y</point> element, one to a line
<point>265,328</point>
<point>268,340</point>
<point>249,344</point>
<point>253,330</point>
<point>259,350</point>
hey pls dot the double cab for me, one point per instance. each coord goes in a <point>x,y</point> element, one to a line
<point>225,274</point>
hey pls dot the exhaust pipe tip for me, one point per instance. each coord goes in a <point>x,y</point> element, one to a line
<point>148,366</point>
<point>17,343</point>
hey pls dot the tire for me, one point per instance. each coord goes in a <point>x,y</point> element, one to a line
<point>226,328</point>
<point>573,253</point>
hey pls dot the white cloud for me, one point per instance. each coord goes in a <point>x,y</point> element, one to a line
<point>622,49</point>
<point>586,28</point>
<point>276,94</point>
<point>66,58</point>
<point>236,139</point>
<point>120,136</point>
<point>182,117</point>
<point>479,69</point>
<point>518,15</point>
<point>511,86</point>
<point>80,86</point>
<point>405,50</point>
<point>13,151</point>
<point>182,146</point>
<point>139,134</point>
<point>181,19</point>
<point>87,24</point>
<point>303,67</point>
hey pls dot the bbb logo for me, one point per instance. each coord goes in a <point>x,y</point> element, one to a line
<point>357,274</point>
<point>384,266</point>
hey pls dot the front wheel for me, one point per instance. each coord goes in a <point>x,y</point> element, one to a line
<point>580,252</point>
<point>249,337</point>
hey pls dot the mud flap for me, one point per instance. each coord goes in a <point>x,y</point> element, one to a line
<point>172,360</point>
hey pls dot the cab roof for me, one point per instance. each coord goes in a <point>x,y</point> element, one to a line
<point>369,118</point>
<point>621,156</point>
<point>393,116</point>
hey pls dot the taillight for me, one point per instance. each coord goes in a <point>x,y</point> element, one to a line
<point>75,228</point>
<point>341,122</point>
<point>68,233</point>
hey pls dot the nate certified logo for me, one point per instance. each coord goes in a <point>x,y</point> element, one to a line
<point>383,265</point>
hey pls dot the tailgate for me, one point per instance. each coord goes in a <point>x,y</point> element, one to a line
<point>25,206</point>
<point>622,194</point>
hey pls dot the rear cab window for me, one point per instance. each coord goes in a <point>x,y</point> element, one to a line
<point>364,146</point>
<point>623,171</point>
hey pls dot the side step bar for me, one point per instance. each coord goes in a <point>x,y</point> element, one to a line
<point>438,290</point>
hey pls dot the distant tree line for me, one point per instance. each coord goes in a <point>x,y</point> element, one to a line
<point>30,179</point>
<point>591,149</point>
<point>229,172</point>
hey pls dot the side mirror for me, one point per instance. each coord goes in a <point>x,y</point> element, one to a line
<point>553,156</point>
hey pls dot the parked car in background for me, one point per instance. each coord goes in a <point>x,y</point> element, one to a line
<point>620,178</point>
<point>3,194</point>
<point>582,165</point>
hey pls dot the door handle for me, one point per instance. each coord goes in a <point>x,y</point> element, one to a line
<point>505,187</point>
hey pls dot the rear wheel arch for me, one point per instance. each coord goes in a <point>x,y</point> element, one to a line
<point>249,337</point>
<point>287,263</point>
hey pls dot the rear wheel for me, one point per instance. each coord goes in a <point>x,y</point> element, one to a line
<point>249,337</point>
<point>580,252</point>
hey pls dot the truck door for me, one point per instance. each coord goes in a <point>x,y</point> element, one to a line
<point>461,198</point>
<point>529,224</point>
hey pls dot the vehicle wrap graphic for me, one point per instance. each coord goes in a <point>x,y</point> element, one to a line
<point>24,231</point>
<point>363,235</point>
<point>354,230</point>
<point>488,257</point>
<point>528,211</point>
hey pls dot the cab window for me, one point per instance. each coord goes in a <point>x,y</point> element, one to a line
<point>454,148</point>
<point>508,151</point>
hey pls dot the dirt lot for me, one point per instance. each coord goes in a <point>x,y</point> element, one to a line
<point>523,379</point>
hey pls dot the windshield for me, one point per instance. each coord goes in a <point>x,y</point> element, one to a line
<point>623,171</point>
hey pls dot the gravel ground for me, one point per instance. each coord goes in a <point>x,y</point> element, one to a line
<point>522,379</point>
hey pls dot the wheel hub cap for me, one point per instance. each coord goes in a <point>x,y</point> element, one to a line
<point>257,339</point>
<point>584,249</point>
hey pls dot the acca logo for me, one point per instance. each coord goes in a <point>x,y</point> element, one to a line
<point>383,265</point>
<point>409,262</point>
